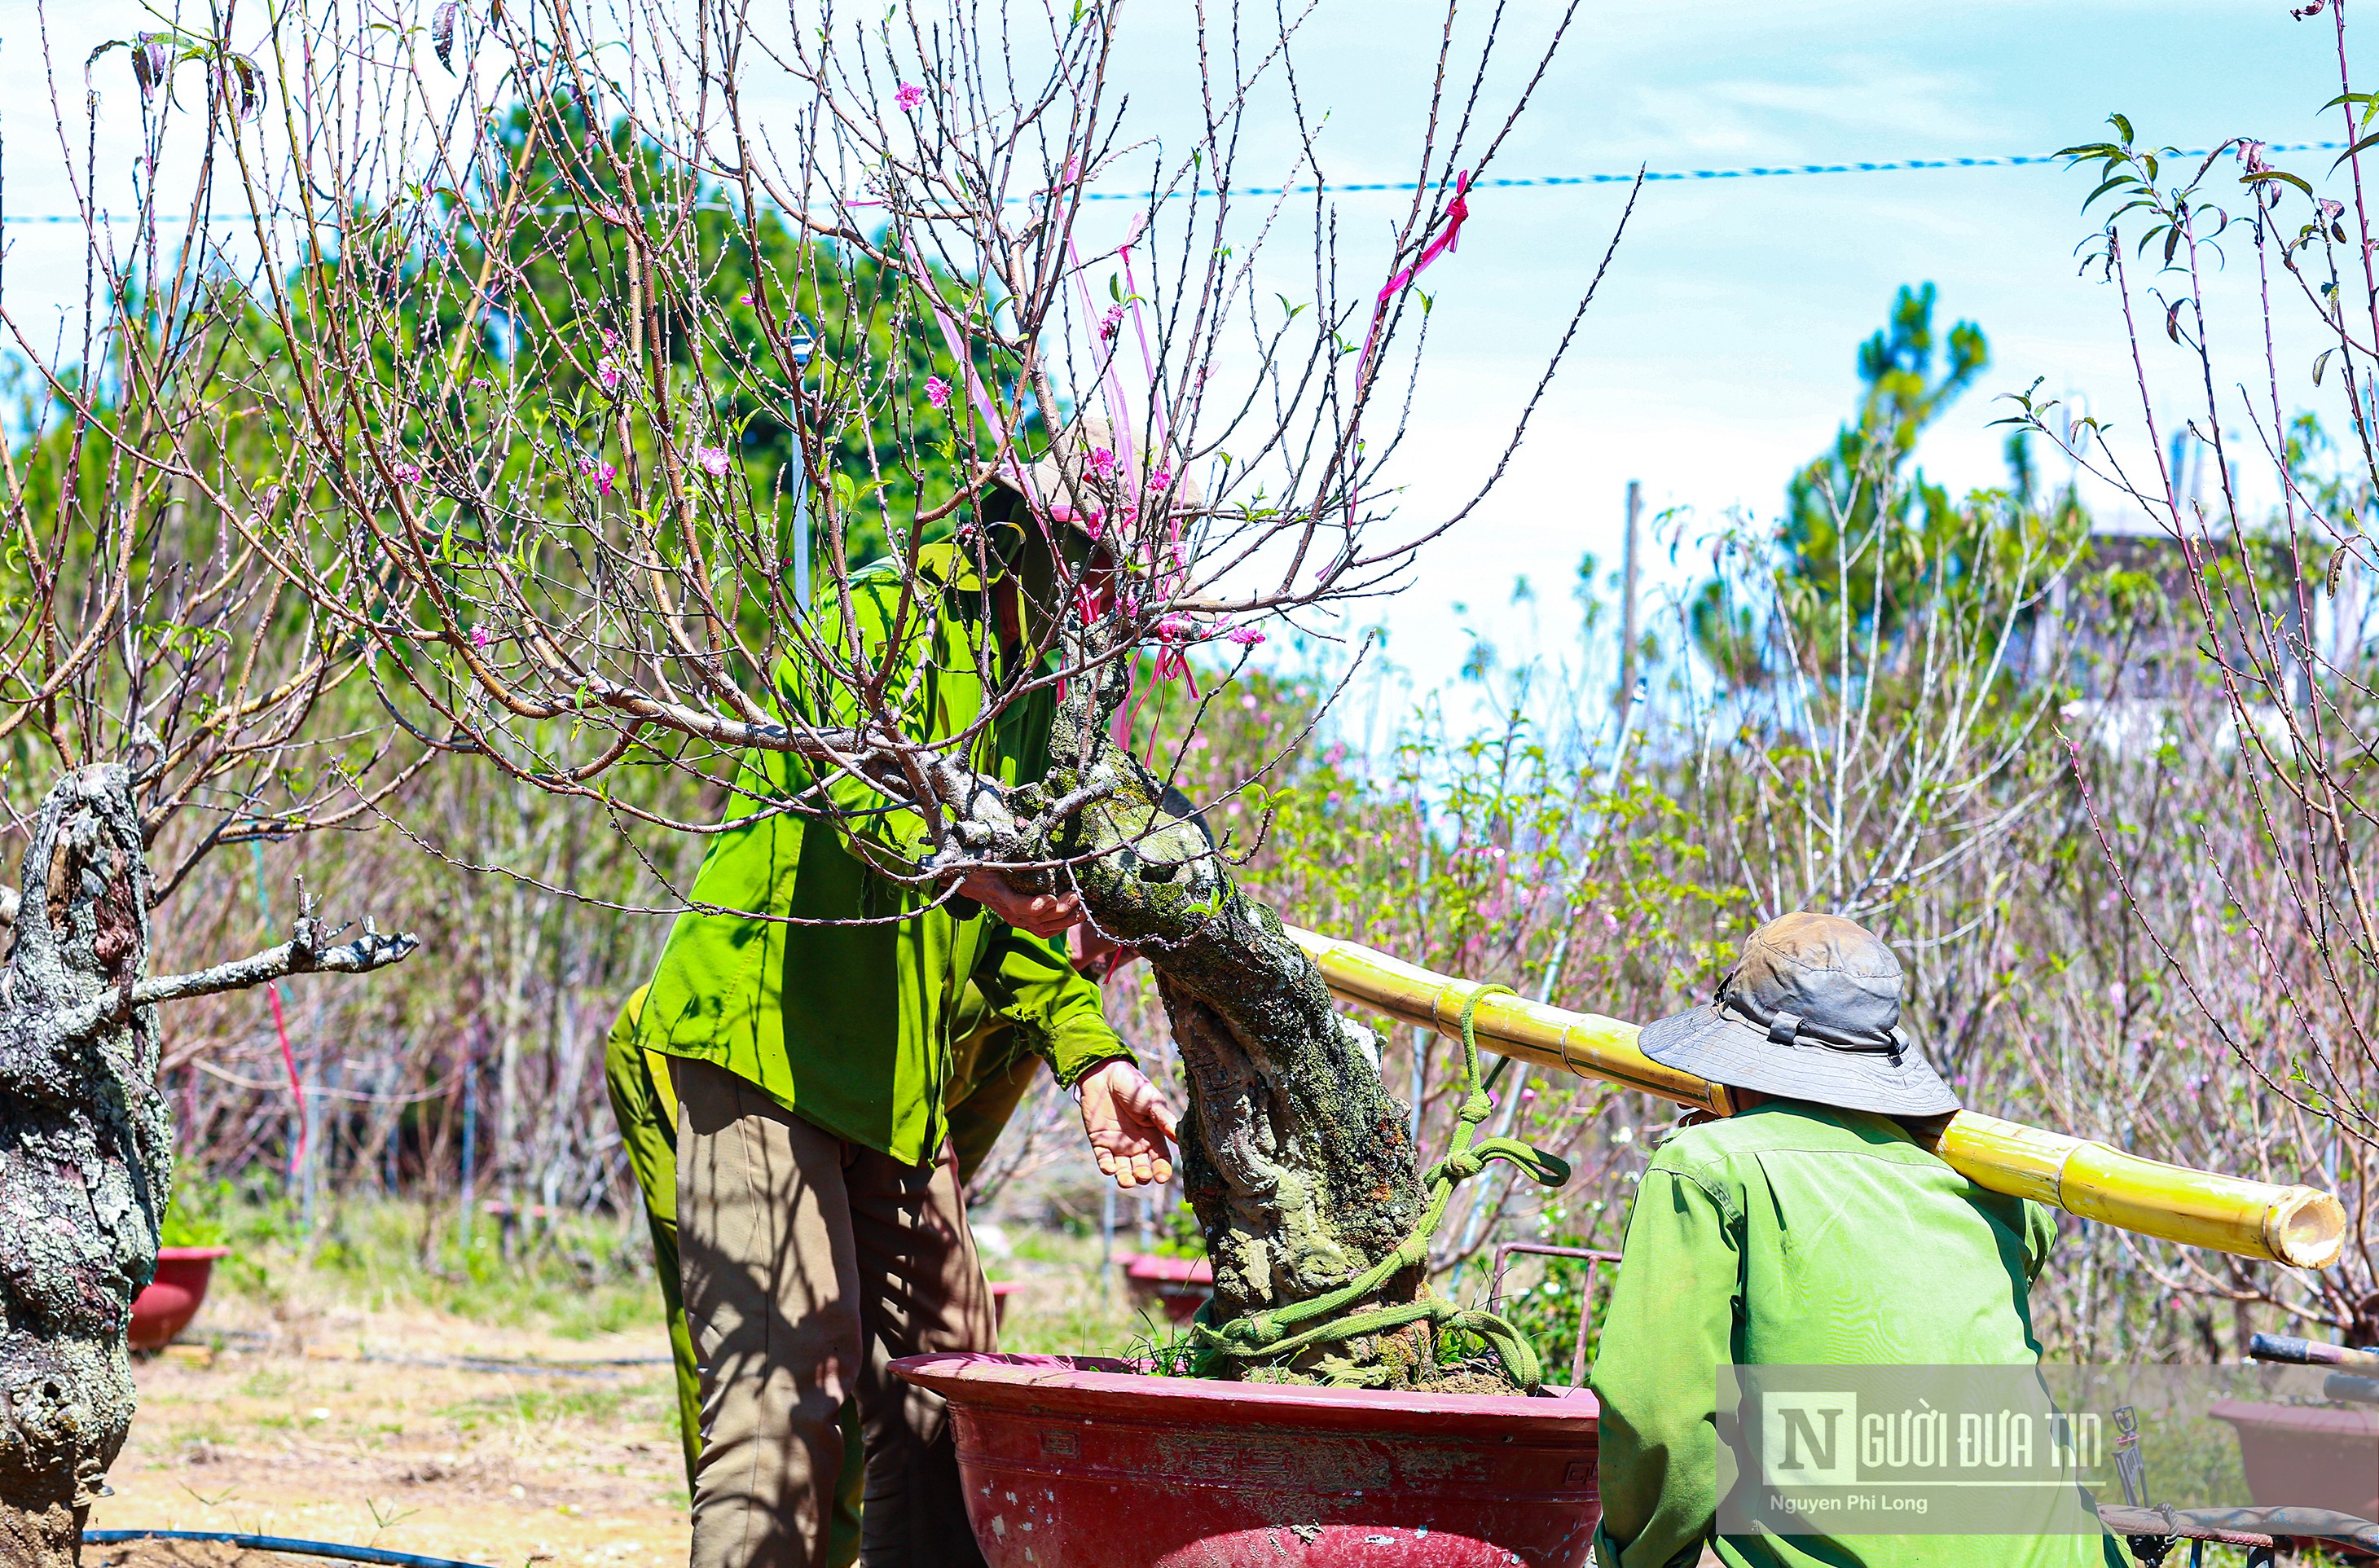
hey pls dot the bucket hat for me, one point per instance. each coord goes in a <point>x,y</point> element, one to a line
<point>1080,480</point>
<point>1810,1011</point>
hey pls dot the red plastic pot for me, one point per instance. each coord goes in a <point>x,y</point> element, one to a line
<point>2307,1455</point>
<point>1179,1284</point>
<point>173,1298</point>
<point>1076,1462</point>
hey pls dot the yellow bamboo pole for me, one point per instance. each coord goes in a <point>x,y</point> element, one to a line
<point>2300,1226</point>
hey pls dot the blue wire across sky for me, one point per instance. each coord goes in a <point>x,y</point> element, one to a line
<point>1758,173</point>
<point>1648,176</point>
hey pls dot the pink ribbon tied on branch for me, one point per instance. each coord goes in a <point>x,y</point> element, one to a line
<point>1173,634</point>
<point>1456,210</point>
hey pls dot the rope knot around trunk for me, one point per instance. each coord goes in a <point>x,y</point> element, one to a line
<point>1333,1317</point>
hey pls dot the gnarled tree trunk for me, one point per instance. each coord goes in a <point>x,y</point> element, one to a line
<point>1294,1155</point>
<point>86,1146</point>
<point>85,1163</point>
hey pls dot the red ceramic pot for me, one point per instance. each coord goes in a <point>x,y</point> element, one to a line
<point>2307,1455</point>
<point>172,1299</point>
<point>1076,1462</point>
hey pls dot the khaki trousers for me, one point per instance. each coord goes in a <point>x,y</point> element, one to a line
<point>809,1263</point>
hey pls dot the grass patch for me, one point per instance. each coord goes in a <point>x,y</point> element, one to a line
<point>575,1277</point>
<point>1069,1311</point>
<point>611,1403</point>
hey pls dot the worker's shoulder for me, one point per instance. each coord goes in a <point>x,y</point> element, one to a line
<point>877,591</point>
<point>936,563</point>
<point>868,582</point>
<point>1781,1127</point>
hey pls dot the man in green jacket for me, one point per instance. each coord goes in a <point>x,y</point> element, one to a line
<point>995,1062</point>
<point>821,1228</point>
<point>1808,1229</point>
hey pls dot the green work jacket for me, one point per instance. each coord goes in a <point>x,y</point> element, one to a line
<point>848,1026</point>
<point>1800,1236</point>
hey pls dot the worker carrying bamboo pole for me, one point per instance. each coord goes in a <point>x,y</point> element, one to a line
<point>1807,1230</point>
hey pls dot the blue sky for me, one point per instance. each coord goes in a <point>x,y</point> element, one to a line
<point>1720,353</point>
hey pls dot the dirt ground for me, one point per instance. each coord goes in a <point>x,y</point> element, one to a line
<point>365,1428</point>
<point>497,1421</point>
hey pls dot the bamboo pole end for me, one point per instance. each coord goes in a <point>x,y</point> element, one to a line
<point>2306,1229</point>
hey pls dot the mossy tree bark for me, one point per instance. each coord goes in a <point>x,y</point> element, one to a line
<point>1296,1157</point>
<point>86,1147</point>
<point>85,1163</point>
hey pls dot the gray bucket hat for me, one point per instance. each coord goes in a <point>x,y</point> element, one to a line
<point>1810,1011</point>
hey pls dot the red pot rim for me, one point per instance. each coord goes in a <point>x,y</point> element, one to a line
<point>191,1254</point>
<point>2295,1417</point>
<point>1088,1384</point>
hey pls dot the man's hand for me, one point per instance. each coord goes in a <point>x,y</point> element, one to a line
<point>1042,914</point>
<point>1095,953</point>
<point>1129,1124</point>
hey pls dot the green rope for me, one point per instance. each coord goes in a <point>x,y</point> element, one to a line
<point>1330,1318</point>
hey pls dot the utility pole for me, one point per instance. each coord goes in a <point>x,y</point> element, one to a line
<point>1630,632</point>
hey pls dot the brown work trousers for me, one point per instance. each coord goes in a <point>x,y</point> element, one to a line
<point>809,1263</point>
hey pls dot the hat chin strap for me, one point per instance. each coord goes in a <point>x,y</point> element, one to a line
<point>1792,1029</point>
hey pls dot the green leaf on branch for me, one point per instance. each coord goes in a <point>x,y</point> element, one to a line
<point>2276,174</point>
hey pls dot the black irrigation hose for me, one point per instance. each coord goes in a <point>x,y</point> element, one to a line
<point>331,1551</point>
<point>526,1365</point>
<point>604,1369</point>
